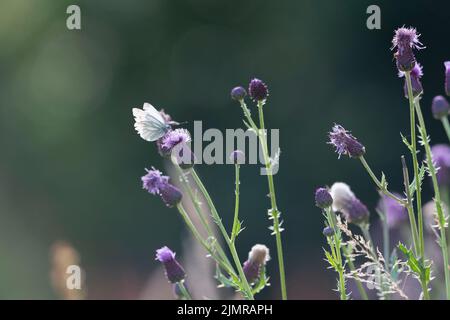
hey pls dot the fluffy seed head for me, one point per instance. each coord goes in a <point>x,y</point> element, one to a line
<point>341,194</point>
<point>345,143</point>
<point>440,107</point>
<point>323,198</point>
<point>345,201</point>
<point>257,257</point>
<point>258,90</point>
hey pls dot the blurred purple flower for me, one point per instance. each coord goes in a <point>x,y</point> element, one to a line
<point>395,213</point>
<point>440,107</point>
<point>441,159</point>
<point>447,77</point>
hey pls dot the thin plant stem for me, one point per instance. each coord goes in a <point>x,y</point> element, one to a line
<point>409,205</point>
<point>437,197</point>
<point>351,265</point>
<point>274,212</point>
<point>247,290</point>
<point>446,126</point>
<point>234,230</point>
<point>199,238</point>
<point>203,220</point>
<point>337,252</point>
<point>378,183</point>
<point>415,165</point>
<point>184,291</point>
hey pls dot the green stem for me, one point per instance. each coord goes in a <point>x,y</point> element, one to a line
<point>337,251</point>
<point>184,291</point>
<point>199,238</point>
<point>378,183</point>
<point>352,268</point>
<point>446,126</point>
<point>421,248</point>
<point>274,210</point>
<point>437,198</point>
<point>234,230</point>
<point>243,279</point>
<point>203,220</point>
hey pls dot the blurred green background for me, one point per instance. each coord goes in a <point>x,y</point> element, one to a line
<point>71,162</point>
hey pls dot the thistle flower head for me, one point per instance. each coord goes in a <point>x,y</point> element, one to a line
<point>156,183</point>
<point>404,41</point>
<point>170,195</point>
<point>406,38</point>
<point>174,271</point>
<point>345,143</point>
<point>153,181</point>
<point>238,93</point>
<point>395,213</point>
<point>258,90</point>
<point>345,201</point>
<point>257,257</point>
<point>447,77</point>
<point>237,157</point>
<point>171,139</point>
<point>328,231</point>
<point>441,159</point>
<point>323,198</point>
<point>440,107</point>
<point>416,74</point>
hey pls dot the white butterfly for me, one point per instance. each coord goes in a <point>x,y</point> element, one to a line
<point>149,123</point>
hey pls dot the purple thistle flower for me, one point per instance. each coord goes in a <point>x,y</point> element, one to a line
<point>405,40</point>
<point>237,157</point>
<point>258,90</point>
<point>323,198</point>
<point>441,159</point>
<point>174,271</point>
<point>447,77</point>
<point>153,181</point>
<point>345,143</point>
<point>328,231</point>
<point>238,93</point>
<point>171,195</point>
<point>440,107</point>
<point>395,213</point>
<point>416,74</point>
<point>171,139</point>
<point>257,257</point>
<point>345,201</point>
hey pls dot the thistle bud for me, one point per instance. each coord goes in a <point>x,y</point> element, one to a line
<point>328,232</point>
<point>323,198</point>
<point>238,93</point>
<point>440,107</point>
<point>174,271</point>
<point>171,195</point>
<point>257,257</point>
<point>258,90</point>
<point>237,157</point>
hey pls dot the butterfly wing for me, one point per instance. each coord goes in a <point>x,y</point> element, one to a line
<point>149,123</point>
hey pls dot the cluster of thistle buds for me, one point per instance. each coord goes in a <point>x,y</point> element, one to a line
<point>396,209</point>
